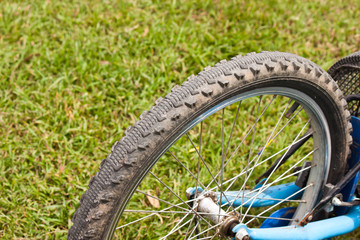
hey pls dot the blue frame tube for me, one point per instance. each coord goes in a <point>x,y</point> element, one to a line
<point>315,230</point>
<point>266,198</point>
<point>349,189</point>
<point>325,228</point>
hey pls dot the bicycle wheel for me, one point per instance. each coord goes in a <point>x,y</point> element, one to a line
<point>189,168</point>
<point>346,72</point>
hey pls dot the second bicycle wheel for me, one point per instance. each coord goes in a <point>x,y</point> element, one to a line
<point>346,73</point>
<point>220,150</point>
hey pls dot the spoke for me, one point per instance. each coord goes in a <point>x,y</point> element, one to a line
<point>233,179</point>
<point>213,237</point>
<point>258,157</point>
<point>197,178</point>
<point>210,237</point>
<point>195,228</point>
<point>180,212</point>
<point>298,111</point>
<point>280,178</point>
<point>178,196</point>
<point>150,211</point>
<point>161,200</point>
<point>250,152</point>
<point>269,185</point>
<point>187,232</point>
<point>310,185</point>
<point>140,219</point>
<point>253,126</point>
<point>275,218</point>
<point>232,128</point>
<point>200,229</point>
<point>207,167</point>
<point>248,132</point>
<point>204,163</point>
<point>274,199</point>
<point>267,179</point>
<point>222,159</point>
<point>294,173</point>
<point>208,229</point>
<point>275,137</point>
<point>176,227</point>
<point>198,167</point>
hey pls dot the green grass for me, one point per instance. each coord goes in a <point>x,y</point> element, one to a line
<point>75,74</point>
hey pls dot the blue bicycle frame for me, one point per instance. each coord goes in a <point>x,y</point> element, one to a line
<point>348,219</point>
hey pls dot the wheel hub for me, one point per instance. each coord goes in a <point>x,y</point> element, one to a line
<point>206,204</point>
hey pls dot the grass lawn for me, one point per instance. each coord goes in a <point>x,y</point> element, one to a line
<point>75,74</point>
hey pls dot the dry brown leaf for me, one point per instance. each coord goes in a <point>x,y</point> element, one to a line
<point>104,62</point>
<point>146,31</point>
<point>153,201</point>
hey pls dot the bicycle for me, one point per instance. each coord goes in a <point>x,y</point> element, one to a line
<point>256,147</point>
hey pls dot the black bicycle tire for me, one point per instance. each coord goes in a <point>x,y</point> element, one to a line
<point>105,197</point>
